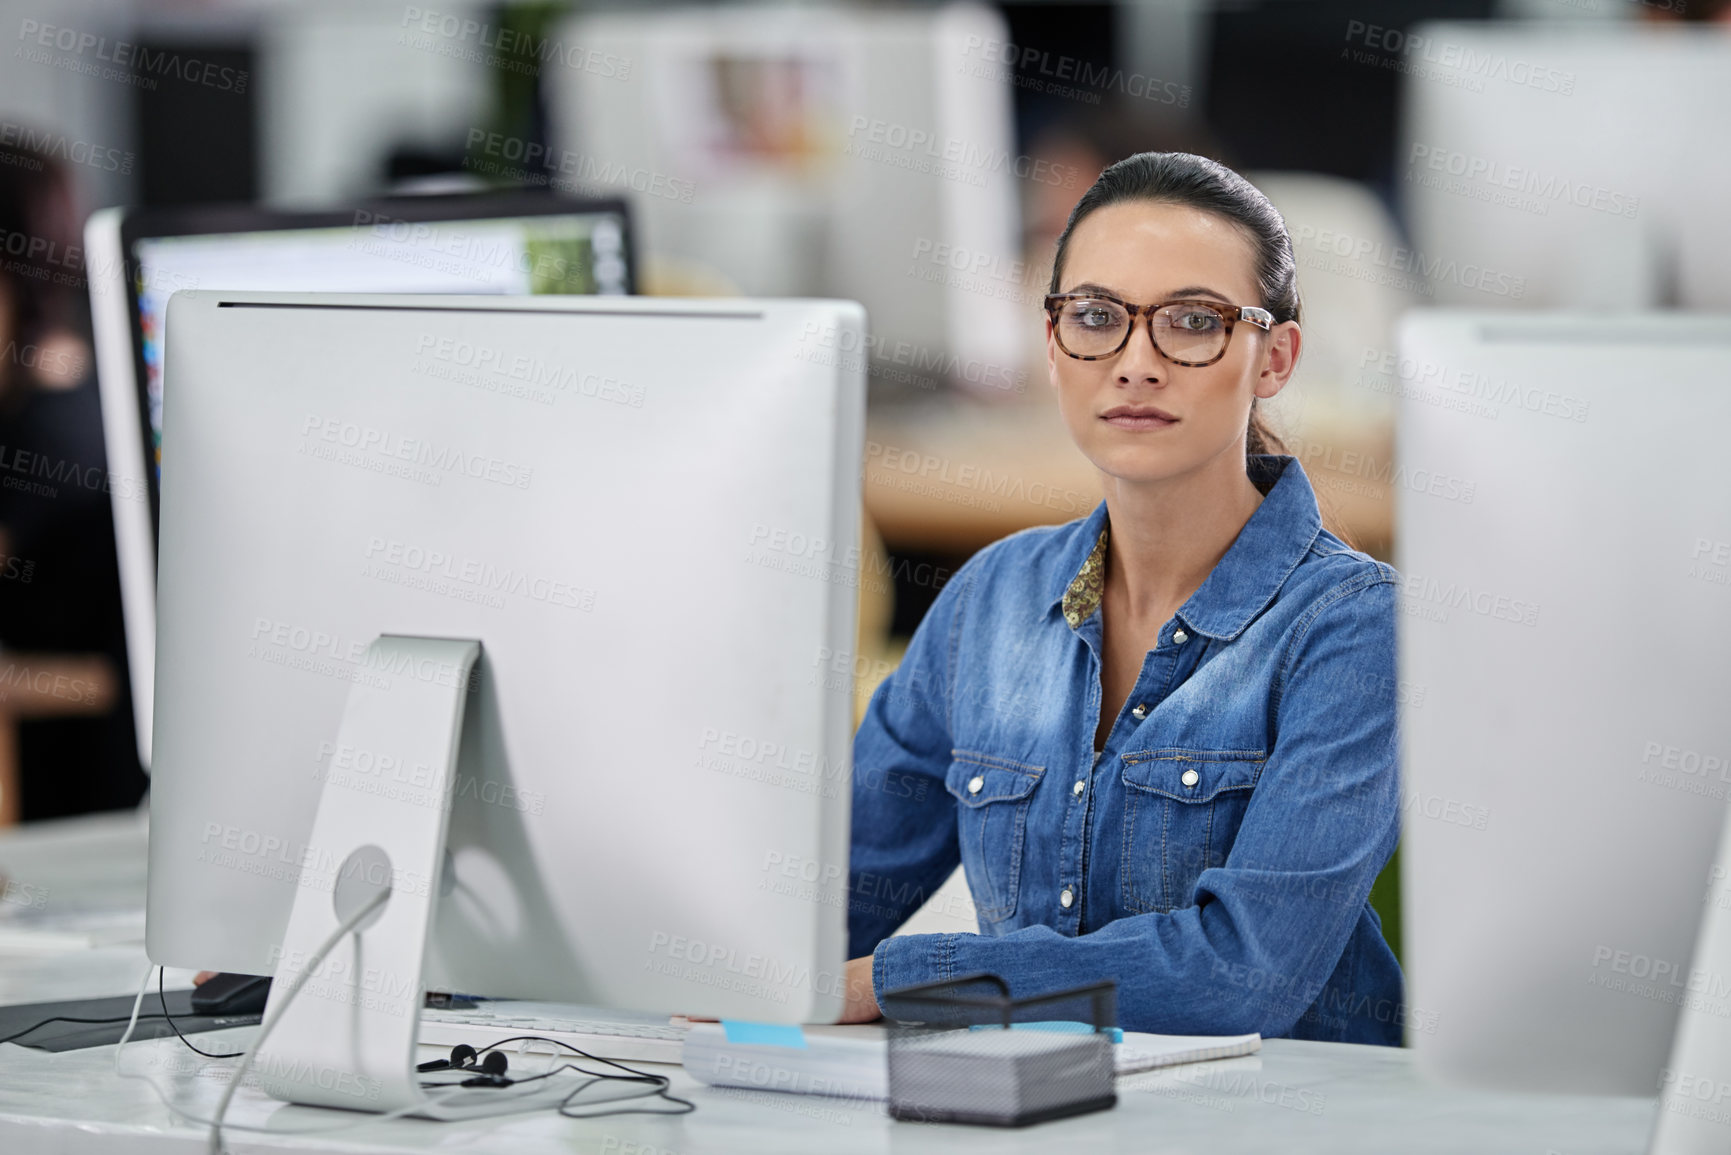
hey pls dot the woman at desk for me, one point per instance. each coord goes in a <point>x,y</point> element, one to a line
<point>1159,739</point>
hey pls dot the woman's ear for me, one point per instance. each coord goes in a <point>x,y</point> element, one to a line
<point>1280,359</point>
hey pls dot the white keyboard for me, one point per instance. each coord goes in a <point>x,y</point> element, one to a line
<point>607,1034</point>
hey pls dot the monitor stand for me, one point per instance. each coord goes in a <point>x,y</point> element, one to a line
<point>348,1039</point>
<point>1694,1115</point>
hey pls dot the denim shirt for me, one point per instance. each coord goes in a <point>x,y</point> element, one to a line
<point>1216,857</point>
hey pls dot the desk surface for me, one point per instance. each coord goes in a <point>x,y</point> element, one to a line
<point>1293,1098</point>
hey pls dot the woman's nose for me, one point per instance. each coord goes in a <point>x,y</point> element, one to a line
<point>1139,361</point>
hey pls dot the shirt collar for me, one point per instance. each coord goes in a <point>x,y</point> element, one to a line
<point>1266,551</point>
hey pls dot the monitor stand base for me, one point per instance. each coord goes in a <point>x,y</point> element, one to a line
<point>348,1038</point>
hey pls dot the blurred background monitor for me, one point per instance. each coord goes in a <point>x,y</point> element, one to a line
<point>1567,752</point>
<point>517,243</point>
<point>1578,162</point>
<point>841,151</point>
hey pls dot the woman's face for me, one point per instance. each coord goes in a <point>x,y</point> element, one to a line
<point>1147,253</point>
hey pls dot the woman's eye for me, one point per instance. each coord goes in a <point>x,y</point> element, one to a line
<point>1092,316</point>
<point>1197,320</point>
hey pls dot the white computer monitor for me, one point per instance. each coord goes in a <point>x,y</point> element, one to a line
<point>1547,165</point>
<point>512,243</point>
<point>859,152</point>
<point>1564,531</point>
<point>644,512</point>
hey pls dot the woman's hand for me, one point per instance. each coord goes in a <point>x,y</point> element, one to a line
<point>862,1004</point>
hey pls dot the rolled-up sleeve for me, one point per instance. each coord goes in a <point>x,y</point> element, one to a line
<point>904,821</point>
<point>1265,930</point>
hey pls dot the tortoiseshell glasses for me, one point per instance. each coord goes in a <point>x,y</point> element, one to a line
<point>1094,326</point>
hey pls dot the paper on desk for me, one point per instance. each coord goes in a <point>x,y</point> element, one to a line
<point>853,1061</point>
<point>1144,1052</point>
<point>41,932</point>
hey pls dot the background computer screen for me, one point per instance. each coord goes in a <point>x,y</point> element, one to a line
<point>372,251</point>
<point>503,243</point>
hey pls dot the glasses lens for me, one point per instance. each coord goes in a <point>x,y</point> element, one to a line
<point>1190,332</point>
<point>1090,328</point>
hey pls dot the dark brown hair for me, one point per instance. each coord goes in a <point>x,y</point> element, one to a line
<point>1182,178</point>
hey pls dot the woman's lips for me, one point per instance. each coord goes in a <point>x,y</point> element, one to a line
<point>1140,421</point>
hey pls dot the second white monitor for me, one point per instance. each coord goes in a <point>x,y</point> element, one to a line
<point>1565,545</point>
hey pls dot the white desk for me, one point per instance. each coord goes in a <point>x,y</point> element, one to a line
<point>1293,1099</point>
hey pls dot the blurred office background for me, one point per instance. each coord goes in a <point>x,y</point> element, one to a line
<point>918,157</point>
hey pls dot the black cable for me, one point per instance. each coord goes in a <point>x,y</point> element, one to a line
<point>70,1019</point>
<point>660,1083</point>
<point>660,1092</point>
<point>428,1084</point>
<point>163,999</point>
<point>631,1073</point>
<point>121,1019</point>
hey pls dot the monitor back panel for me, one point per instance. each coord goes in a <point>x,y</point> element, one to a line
<point>1565,545</point>
<point>644,510</point>
<point>1535,174</point>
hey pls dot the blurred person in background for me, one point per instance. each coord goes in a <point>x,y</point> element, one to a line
<point>66,744</point>
<point>1083,143</point>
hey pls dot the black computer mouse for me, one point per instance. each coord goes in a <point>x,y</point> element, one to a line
<point>228,994</point>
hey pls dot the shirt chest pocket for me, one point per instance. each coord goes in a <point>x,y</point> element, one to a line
<point>992,796</point>
<point>1182,813</point>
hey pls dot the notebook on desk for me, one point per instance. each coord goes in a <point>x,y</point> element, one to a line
<point>853,1061</point>
<point>1144,1052</point>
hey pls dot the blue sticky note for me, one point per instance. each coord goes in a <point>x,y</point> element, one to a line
<point>767,1034</point>
<point>1061,1026</point>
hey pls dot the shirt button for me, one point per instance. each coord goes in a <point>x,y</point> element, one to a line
<point>1140,712</point>
<point>1180,637</point>
<point>1065,898</point>
<point>1190,778</point>
<point>976,784</point>
<point>1078,788</point>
